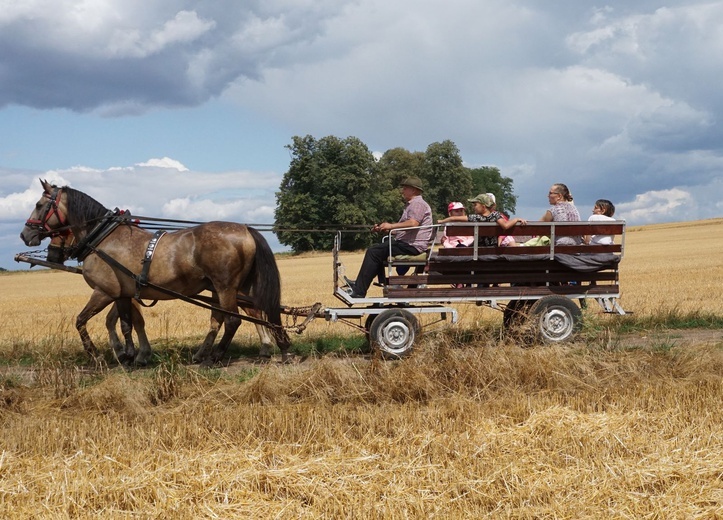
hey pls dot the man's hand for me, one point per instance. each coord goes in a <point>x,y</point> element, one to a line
<point>385,226</point>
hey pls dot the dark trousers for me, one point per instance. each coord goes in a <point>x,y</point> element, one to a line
<point>373,264</point>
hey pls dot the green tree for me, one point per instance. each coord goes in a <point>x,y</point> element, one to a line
<point>327,187</point>
<point>336,184</point>
<point>393,167</point>
<point>488,179</point>
<point>446,179</point>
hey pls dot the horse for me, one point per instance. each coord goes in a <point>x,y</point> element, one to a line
<point>61,248</point>
<point>223,257</point>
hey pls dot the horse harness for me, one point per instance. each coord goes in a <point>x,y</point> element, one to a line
<point>142,279</point>
<point>110,221</point>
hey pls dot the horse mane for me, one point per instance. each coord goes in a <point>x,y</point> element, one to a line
<point>82,208</point>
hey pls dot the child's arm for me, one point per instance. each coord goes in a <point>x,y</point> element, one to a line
<point>458,218</point>
<point>508,224</point>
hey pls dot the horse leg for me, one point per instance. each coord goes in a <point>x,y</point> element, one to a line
<point>111,320</point>
<point>215,326</point>
<point>263,332</point>
<point>144,352</point>
<point>280,337</point>
<point>283,342</point>
<point>143,356</point>
<point>98,301</point>
<point>231,324</point>
<point>266,341</point>
<point>124,311</point>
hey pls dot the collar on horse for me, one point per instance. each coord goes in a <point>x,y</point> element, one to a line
<point>102,229</point>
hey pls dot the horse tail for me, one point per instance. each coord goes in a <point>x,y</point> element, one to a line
<point>267,280</point>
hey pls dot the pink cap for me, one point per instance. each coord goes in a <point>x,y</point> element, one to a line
<point>454,205</point>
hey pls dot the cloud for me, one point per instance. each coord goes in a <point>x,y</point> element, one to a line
<point>154,189</point>
<point>653,205</point>
<point>127,56</point>
<point>618,100</point>
<point>558,91</point>
<point>151,189</point>
<point>165,162</point>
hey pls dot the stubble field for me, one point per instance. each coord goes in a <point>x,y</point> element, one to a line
<point>623,423</point>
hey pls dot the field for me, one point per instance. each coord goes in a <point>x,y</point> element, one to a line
<point>622,423</point>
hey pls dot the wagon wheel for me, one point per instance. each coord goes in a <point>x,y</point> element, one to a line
<point>515,313</point>
<point>555,319</point>
<point>393,332</point>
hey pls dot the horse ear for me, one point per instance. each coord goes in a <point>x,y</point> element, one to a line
<point>46,186</point>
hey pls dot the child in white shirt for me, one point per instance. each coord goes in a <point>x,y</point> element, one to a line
<point>603,211</point>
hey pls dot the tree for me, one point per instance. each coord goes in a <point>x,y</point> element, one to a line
<point>488,179</point>
<point>336,184</point>
<point>327,187</point>
<point>446,178</point>
<point>393,167</point>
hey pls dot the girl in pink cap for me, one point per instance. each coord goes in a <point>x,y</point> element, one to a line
<point>456,209</point>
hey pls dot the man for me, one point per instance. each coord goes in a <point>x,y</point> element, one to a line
<point>408,242</point>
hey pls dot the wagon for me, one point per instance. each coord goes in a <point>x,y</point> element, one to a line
<point>542,286</point>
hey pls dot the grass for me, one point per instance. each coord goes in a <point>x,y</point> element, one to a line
<point>622,423</point>
<point>454,431</point>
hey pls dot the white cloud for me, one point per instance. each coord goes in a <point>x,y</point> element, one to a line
<point>657,206</point>
<point>150,189</point>
<point>165,162</point>
<point>204,210</point>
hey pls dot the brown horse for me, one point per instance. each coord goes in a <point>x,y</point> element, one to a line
<point>61,247</point>
<point>223,257</point>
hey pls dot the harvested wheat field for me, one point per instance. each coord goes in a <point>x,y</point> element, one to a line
<point>625,422</point>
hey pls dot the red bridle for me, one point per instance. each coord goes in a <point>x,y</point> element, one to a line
<point>50,210</point>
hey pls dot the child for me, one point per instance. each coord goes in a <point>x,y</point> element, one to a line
<point>505,240</point>
<point>602,211</point>
<point>483,213</point>
<point>456,209</point>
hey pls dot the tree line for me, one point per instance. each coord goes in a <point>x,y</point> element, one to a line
<point>337,183</point>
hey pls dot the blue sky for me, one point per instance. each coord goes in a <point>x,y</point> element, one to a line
<point>182,109</point>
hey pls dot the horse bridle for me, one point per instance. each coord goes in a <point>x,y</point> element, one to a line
<point>51,209</point>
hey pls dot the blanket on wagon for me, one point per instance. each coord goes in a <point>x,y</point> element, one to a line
<point>583,262</point>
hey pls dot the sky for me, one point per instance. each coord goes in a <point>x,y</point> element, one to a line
<point>183,109</point>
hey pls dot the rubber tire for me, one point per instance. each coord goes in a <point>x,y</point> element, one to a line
<point>555,319</point>
<point>393,332</point>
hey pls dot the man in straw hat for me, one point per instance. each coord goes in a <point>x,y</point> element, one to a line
<point>405,242</point>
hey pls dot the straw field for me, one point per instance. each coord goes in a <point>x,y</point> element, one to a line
<point>623,423</point>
